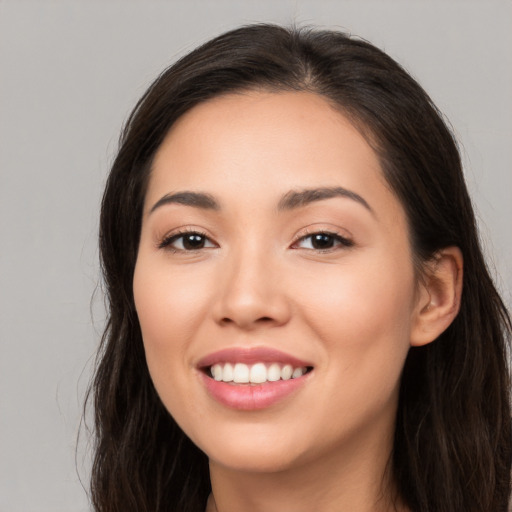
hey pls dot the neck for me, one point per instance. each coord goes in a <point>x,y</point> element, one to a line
<point>357,481</point>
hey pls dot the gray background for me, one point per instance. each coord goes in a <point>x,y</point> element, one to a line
<point>70,71</point>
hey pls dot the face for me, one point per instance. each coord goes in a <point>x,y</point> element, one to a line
<point>271,245</point>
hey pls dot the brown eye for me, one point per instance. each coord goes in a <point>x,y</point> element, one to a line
<point>190,241</point>
<point>323,241</point>
<point>193,241</point>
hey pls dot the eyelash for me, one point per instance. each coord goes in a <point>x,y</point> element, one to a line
<point>167,241</point>
<point>342,242</point>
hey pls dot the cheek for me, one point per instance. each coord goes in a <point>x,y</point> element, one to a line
<point>371,294</point>
<point>362,320</point>
<point>362,315</point>
<point>169,303</point>
<point>171,307</point>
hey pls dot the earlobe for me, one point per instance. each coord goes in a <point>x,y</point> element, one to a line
<point>439,296</point>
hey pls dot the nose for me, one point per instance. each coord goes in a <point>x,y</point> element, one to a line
<point>251,294</point>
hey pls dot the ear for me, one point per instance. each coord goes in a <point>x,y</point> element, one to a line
<point>438,297</point>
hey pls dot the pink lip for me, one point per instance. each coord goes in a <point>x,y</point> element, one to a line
<point>252,397</point>
<point>250,356</point>
<point>249,397</point>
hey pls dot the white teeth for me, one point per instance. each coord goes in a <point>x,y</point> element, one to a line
<point>227,373</point>
<point>257,373</point>
<point>286,372</point>
<point>274,372</point>
<point>298,372</point>
<point>241,373</point>
<point>217,371</point>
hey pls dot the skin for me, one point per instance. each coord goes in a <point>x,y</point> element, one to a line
<point>352,311</point>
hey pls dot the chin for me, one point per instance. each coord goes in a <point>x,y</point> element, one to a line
<point>259,452</point>
<point>256,461</point>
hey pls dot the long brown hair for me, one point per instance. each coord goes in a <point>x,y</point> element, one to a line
<point>452,446</point>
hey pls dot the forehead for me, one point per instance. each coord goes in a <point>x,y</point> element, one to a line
<point>263,144</point>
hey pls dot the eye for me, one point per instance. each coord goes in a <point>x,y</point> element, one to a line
<point>322,241</point>
<point>186,241</point>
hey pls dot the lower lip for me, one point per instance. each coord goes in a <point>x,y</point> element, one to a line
<point>252,397</point>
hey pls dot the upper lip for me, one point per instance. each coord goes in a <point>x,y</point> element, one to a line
<point>251,355</point>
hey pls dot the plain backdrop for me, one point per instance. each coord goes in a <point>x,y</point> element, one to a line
<point>70,71</point>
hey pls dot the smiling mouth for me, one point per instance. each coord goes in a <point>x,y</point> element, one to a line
<point>253,378</point>
<point>258,373</point>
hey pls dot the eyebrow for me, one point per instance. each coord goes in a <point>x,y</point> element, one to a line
<point>298,199</point>
<point>290,201</point>
<point>195,199</point>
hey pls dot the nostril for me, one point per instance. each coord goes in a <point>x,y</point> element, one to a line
<point>263,319</point>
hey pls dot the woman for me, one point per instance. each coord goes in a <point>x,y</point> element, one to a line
<point>300,314</point>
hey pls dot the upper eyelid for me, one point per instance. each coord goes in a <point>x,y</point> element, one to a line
<point>167,239</point>
<point>346,241</point>
<point>310,231</point>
